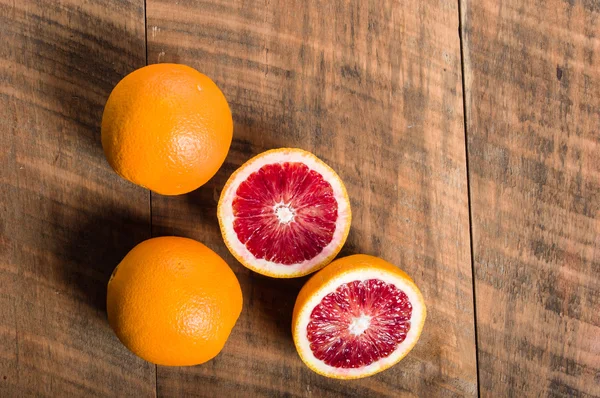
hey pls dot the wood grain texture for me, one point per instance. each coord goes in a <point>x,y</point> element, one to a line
<point>66,219</point>
<point>532,78</point>
<point>374,89</point>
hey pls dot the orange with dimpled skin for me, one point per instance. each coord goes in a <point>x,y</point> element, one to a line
<point>166,127</point>
<point>173,301</point>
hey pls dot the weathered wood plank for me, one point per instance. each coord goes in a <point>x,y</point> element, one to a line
<point>374,89</point>
<point>532,74</point>
<point>66,218</point>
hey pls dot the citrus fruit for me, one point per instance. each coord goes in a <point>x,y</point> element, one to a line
<point>173,301</point>
<point>356,317</point>
<point>166,127</point>
<point>284,213</point>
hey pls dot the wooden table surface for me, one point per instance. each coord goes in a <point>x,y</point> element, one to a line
<point>467,133</point>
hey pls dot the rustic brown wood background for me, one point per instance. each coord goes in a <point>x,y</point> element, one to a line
<point>468,135</point>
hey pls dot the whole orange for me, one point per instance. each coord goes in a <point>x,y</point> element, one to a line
<point>166,127</point>
<point>173,301</point>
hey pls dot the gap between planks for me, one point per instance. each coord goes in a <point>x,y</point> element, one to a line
<point>149,191</point>
<point>464,100</point>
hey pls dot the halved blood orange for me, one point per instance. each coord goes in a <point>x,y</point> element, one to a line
<point>356,317</point>
<point>284,213</point>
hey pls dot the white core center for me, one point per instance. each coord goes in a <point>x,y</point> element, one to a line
<point>359,324</point>
<point>284,213</point>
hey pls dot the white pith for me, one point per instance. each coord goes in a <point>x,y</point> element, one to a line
<point>284,212</point>
<point>238,248</point>
<point>417,319</point>
<point>359,324</point>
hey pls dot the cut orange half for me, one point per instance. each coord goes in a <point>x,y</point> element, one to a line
<point>284,213</point>
<point>357,317</point>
